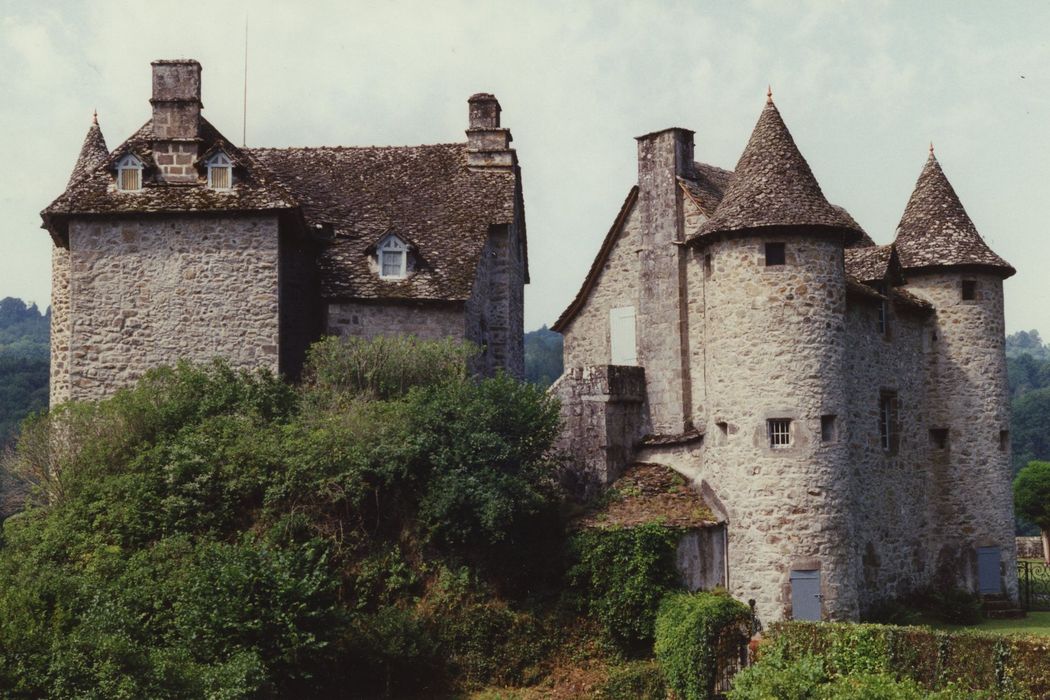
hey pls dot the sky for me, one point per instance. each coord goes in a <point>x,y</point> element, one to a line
<point>864,87</point>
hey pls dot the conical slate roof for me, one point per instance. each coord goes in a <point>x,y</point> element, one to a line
<point>773,186</point>
<point>936,231</point>
<point>92,154</point>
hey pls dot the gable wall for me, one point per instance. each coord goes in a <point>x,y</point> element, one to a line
<point>495,311</point>
<point>149,291</point>
<point>587,337</point>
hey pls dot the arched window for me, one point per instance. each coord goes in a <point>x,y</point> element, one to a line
<point>220,172</point>
<point>129,174</point>
<point>393,254</point>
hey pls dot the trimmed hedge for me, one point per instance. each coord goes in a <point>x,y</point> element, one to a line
<point>935,660</point>
<point>688,627</point>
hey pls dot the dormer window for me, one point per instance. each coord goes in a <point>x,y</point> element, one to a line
<point>220,172</point>
<point>393,257</point>
<point>129,174</point>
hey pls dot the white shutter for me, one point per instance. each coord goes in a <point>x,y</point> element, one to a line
<point>623,349</point>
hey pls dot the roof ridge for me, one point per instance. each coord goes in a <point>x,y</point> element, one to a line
<point>354,148</point>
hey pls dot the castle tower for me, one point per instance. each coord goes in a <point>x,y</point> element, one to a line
<point>946,262</point>
<point>775,447</point>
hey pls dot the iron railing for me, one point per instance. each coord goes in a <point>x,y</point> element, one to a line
<point>1033,579</point>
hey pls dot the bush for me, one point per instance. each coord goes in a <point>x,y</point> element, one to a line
<point>636,680</point>
<point>688,630</point>
<point>621,574</point>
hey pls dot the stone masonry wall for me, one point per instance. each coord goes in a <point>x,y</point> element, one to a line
<point>146,292</point>
<point>891,502</point>
<point>370,320</point>
<point>775,349</point>
<point>60,325</point>
<point>968,395</point>
<point>587,337</point>
<point>495,310</point>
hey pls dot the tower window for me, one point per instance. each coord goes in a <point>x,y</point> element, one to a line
<point>1004,440</point>
<point>129,174</point>
<point>779,432</point>
<point>707,265</point>
<point>393,254</point>
<point>882,319</point>
<point>888,431</point>
<point>939,438</point>
<point>775,254</point>
<point>827,428</point>
<point>220,172</point>
<point>969,290</point>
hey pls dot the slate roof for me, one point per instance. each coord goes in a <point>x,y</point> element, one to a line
<point>92,154</point>
<point>869,263</point>
<point>707,186</point>
<point>935,230</point>
<point>92,189</point>
<point>773,186</point>
<point>424,194</point>
<point>646,493</point>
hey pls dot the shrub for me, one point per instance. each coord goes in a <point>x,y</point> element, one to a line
<point>621,574</point>
<point>775,677</point>
<point>688,630</point>
<point>636,680</point>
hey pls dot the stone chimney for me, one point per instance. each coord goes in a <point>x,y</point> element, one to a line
<point>176,118</point>
<point>488,145</point>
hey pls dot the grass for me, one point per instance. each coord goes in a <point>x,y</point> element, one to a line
<point>1037,623</point>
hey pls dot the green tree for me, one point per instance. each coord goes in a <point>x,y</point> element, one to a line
<point>1032,499</point>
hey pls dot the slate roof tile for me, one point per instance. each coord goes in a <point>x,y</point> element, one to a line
<point>935,230</point>
<point>92,154</point>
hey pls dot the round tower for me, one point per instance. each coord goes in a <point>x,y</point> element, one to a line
<point>775,346</point>
<point>946,262</point>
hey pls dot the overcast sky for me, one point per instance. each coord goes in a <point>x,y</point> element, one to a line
<point>863,88</point>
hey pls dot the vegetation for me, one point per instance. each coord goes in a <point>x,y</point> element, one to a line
<point>543,356</point>
<point>213,533</point>
<point>1032,499</point>
<point>1028,366</point>
<point>24,364</point>
<point>838,660</point>
<point>947,606</point>
<point>688,630</point>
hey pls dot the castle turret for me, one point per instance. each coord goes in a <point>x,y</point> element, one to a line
<point>93,152</point>
<point>775,444</point>
<point>946,262</point>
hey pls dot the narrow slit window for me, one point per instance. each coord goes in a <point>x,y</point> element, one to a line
<point>1004,440</point>
<point>220,172</point>
<point>779,433</point>
<point>969,290</point>
<point>888,421</point>
<point>939,438</point>
<point>775,254</point>
<point>129,174</point>
<point>723,428</point>
<point>827,428</point>
<point>707,265</point>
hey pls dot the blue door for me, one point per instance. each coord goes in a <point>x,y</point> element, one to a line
<point>805,594</point>
<point>988,570</point>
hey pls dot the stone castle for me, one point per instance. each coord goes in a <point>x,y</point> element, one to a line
<point>841,407</point>
<point>179,244</point>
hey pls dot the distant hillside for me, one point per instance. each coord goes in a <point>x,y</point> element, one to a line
<point>543,361</point>
<point>24,363</point>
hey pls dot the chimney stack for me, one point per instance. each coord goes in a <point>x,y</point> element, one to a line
<point>488,145</point>
<point>176,118</point>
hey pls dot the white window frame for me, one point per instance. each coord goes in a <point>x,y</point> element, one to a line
<point>129,163</point>
<point>392,245</point>
<point>779,430</point>
<point>220,161</point>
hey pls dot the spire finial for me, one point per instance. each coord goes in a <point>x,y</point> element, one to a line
<point>94,117</point>
<point>931,149</point>
<point>769,94</point>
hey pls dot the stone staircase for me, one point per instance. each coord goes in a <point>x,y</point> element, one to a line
<point>999,607</point>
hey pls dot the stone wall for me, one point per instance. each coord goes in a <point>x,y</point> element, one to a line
<point>892,500</point>
<point>60,325</point>
<point>700,558</point>
<point>968,395</point>
<point>603,413</point>
<point>495,310</point>
<point>145,292</point>
<point>372,319</point>
<point>775,349</point>
<point>587,336</point>
<point>1029,547</point>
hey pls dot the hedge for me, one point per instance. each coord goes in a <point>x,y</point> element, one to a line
<point>974,660</point>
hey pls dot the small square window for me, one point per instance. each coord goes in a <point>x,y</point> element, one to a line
<point>1004,440</point>
<point>779,432</point>
<point>939,438</point>
<point>969,290</point>
<point>827,428</point>
<point>775,254</point>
